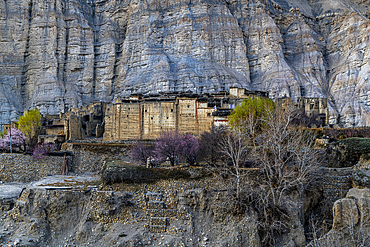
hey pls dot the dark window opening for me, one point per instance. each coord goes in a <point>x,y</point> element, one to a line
<point>171,110</point>
<point>86,118</point>
<point>208,114</point>
<point>188,106</point>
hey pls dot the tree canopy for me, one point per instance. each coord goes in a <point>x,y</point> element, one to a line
<point>17,139</point>
<point>252,113</point>
<point>30,125</point>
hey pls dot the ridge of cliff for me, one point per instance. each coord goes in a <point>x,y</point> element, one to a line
<point>58,54</point>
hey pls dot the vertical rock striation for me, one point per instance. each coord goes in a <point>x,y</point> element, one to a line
<point>57,54</point>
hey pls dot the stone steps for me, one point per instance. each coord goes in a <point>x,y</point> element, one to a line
<point>162,212</point>
<point>158,221</point>
<point>157,229</point>
<point>159,217</point>
<point>153,196</point>
<point>155,205</point>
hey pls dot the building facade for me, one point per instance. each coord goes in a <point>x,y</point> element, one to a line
<point>147,117</point>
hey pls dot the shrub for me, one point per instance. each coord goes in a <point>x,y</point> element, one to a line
<point>43,149</point>
<point>209,149</point>
<point>190,147</point>
<point>140,151</point>
<point>138,174</point>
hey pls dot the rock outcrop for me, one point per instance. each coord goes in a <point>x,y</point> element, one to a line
<point>57,54</point>
<point>351,221</point>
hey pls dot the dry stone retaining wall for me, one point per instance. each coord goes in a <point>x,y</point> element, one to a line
<point>89,157</point>
<point>336,182</point>
<point>25,168</point>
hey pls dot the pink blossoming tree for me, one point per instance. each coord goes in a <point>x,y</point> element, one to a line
<point>190,147</point>
<point>18,140</point>
<point>141,151</point>
<point>172,145</point>
<point>168,145</point>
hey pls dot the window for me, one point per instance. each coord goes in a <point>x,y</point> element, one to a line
<point>188,106</point>
<point>171,110</point>
<point>145,110</point>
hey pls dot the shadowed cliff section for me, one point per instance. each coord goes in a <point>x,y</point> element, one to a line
<point>58,54</point>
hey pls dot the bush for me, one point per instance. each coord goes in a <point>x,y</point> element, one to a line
<point>138,174</point>
<point>347,152</point>
<point>43,149</point>
<point>141,151</point>
<point>209,149</point>
<point>343,133</point>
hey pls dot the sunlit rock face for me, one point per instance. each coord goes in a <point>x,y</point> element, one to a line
<point>58,54</point>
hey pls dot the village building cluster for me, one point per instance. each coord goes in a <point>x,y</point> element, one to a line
<point>146,117</point>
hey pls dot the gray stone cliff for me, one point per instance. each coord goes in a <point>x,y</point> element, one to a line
<point>57,54</point>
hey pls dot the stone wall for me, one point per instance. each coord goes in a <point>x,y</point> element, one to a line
<point>25,168</point>
<point>336,182</point>
<point>89,157</point>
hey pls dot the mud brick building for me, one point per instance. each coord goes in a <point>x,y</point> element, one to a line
<point>146,117</point>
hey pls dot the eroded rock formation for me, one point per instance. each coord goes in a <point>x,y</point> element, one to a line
<point>55,54</point>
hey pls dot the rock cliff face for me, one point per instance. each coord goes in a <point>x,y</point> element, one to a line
<point>56,54</point>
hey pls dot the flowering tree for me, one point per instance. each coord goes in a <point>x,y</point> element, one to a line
<point>17,137</point>
<point>209,145</point>
<point>43,149</point>
<point>140,152</point>
<point>172,145</point>
<point>168,145</point>
<point>190,147</point>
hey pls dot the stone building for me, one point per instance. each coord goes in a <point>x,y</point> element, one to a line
<point>86,121</point>
<point>146,117</point>
<point>312,107</point>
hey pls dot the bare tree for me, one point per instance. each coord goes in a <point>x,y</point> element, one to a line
<point>285,160</point>
<point>209,148</point>
<point>231,174</point>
